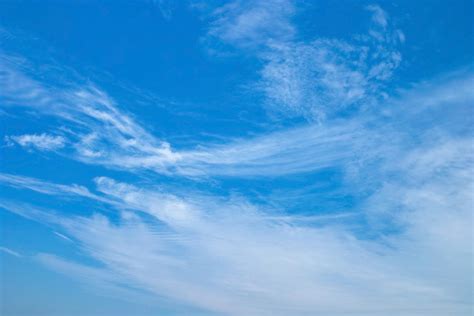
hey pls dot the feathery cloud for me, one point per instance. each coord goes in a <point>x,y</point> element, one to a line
<point>42,142</point>
<point>252,24</point>
<point>226,253</point>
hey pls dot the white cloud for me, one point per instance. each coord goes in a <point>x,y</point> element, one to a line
<point>237,258</point>
<point>166,8</point>
<point>322,77</point>
<point>100,278</point>
<point>43,142</point>
<point>10,252</point>
<point>97,129</point>
<point>379,16</point>
<point>228,256</point>
<point>62,236</point>
<point>313,78</point>
<point>337,144</point>
<point>250,24</point>
<point>48,188</point>
<point>232,257</point>
<point>295,150</point>
<point>101,134</point>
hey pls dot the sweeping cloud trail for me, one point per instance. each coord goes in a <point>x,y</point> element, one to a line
<point>209,226</point>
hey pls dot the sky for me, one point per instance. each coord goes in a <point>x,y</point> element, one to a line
<point>236,158</point>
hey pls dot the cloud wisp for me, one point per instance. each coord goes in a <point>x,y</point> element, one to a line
<point>10,252</point>
<point>251,24</point>
<point>102,134</point>
<point>407,158</point>
<point>42,142</point>
<point>313,78</point>
<point>327,76</point>
<point>227,256</point>
<point>233,257</point>
<point>98,131</point>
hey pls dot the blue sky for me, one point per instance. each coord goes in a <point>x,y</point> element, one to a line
<point>236,158</point>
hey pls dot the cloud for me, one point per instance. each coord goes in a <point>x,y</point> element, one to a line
<point>432,205</point>
<point>64,237</point>
<point>408,160</point>
<point>379,16</point>
<point>297,150</point>
<point>324,77</point>
<point>98,131</point>
<point>345,143</point>
<point>166,8</point>
<point>102,134</point>
<point>233,257</point>
<point>10,252</point>
<point>42,142</point>
<point>251,24</point>
<point>48,188</point>
<point>228,256</point>
<point>313,78</point>
<point>316,80</point>
<point>99,277</point>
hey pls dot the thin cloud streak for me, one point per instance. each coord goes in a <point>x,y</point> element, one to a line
<point>10,252</point>
<point>48,188</point>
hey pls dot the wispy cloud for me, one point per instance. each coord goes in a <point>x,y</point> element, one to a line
<point>102,134</point>
<point>98,131</point>
<point>296,150</point>
<point>42,142</point>
<point>409,159</point>
<point>10,252</point>
<point>312,78</point>
<point>165,7</point>
<point>379,16</point>
<point>100,278</point>
<point>322,77</point>
<point>252,24</point>
<point>45,187</point>
<point>228,256</point>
